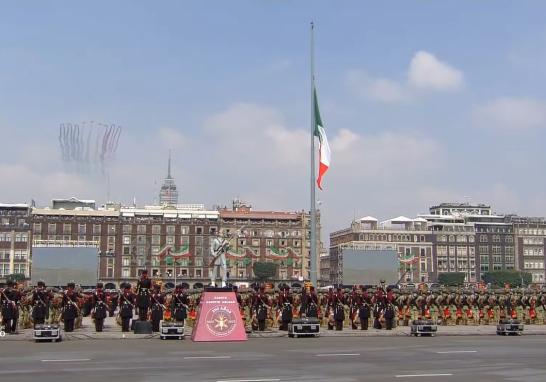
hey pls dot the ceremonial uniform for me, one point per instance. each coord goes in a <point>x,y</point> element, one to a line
<point>40,303</point>
<point>389,316</point>
<point>364,315</point>
<point>354,305</point>
<point>70,308</point>
<point>261,306</point>
<point>179,304</point>
<point>339,309</point>
<point>285,303</point>
<point>143,296</point>
<point>158,303</point>
<point>100,307</point>
<point>9,299</point>
<point>126,304</point>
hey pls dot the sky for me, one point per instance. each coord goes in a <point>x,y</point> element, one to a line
<point>422,102</point>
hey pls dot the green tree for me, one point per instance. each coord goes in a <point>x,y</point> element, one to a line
<point>501,278</point>
<point>18,277</point>
<point>451,279</point>
<point>264,271</point>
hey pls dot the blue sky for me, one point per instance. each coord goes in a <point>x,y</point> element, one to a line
<point>423,102</point>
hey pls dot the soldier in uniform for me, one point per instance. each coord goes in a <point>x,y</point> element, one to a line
<point>126,304</point>
<point>113,297</point>
<point>285,307</point>
<point>143,295</point>
<point>339,309</point>
<point>9,299</point>
<point>261,306</point>
<point>355,301</point>
<point>179,304</point>
<point>40,303</point>
<point>100,307</point>
<point>364,315</point>
<point>158,303</point>
<point>70,308</point>
<point>389,316</point>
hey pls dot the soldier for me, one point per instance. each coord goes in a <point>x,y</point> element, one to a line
<point>389,316</point>
<point>179,304</point>
<point>113,297</point>
<point>339,309</point>
<point>143,295</point>
<point>126,304</point>
<point>378,310</point>
<point>100,307</point>
<point>158,305</point>
<point>285,307</point>
<point>70,307</point>
<point>355,301</point>
<point>309,303</point>
<point>364,314</point>
<point>261,306</point>
<point>9,299</point>
<point>40,303</point>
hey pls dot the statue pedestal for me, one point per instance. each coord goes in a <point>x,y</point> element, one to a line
<point>219,318</point>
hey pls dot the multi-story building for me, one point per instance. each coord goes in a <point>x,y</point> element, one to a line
<point>15,240</point>
<point>168,195</point>
<point>410,238</point>
<point>530,251</point>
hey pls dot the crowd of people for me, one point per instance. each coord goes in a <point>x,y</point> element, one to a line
<point>262,309</point>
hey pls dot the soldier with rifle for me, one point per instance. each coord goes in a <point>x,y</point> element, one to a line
<point>143,295</point>
<point>261,307</point>
<point>126,304</point>
<point>40,303</point>
<point>179,304</point>
<point>284,305</point>
<point>9,300</point>
<point>157,308</point>
<point>100,307</point>
<point>70,307</point>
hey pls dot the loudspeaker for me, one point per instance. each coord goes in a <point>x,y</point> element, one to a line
<point>142,327</point>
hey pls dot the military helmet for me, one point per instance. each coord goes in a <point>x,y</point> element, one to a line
<point>71,284</point>
<point>41,283</point>
<point>10,283</point>
<point>100,285</point>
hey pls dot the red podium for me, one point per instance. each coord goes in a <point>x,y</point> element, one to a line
<point>218,318</point>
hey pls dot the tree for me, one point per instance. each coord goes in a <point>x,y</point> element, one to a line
<point>17,277</point>
<point>451,279</point>
<point>264,271</point>
<point>501,278</point>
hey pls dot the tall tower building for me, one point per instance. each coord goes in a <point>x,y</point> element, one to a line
<point>168,194</point>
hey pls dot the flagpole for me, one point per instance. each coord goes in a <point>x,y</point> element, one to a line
<point>313,253</point>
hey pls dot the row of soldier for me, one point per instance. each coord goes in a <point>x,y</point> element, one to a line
<point>261,309</point>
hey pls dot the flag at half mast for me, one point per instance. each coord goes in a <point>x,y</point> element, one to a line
<point>324,147</point>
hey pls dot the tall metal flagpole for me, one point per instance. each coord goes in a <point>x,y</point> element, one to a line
<point>313,254</point>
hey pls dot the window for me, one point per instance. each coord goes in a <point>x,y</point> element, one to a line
<point>126,261</point>
<point>213,230</point>
<point>126,250</point>
<point>37,228</point>
<point>82,229</point>
<point>111,240</point>
<point>97,229</point>
<point>141,229</point>
<point>496,249</point>
<point>441,250</point>
<point>170,230</point>
<point>184,230</point>
<point>198,261</point>
<point>184,240</point>
<point>127,229</point>
<point>471,239</point>
<point>198,273</point>
<point>67,228</point>
<point>170,240</point>
<point>125,272</point>
<point>52,228</point>
<point>484,249</point>
<point>198,230</point>
<point>156,229</point>
<point>483,239</point>
<point>496,238</point>
<point>156,239</point>
<point>111,229</point>
<point>126,240</point>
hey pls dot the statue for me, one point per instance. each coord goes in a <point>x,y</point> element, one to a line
<point>219,246</point>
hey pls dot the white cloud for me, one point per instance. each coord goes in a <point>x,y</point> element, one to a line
<point>379,89</point>
<point>172,138</point>
<point>427,72</point>
<point>511,113</point>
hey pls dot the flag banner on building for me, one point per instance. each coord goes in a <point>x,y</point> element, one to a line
<point>276,253</point>
<point>168,251</point>
<point>324,147</point>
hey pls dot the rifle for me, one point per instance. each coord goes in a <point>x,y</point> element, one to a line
<point>224,245</point>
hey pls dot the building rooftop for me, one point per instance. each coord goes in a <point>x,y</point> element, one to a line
<point>248,214</point>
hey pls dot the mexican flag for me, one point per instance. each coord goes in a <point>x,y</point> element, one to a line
<point>324,147</point>
<point>184,252</point>
<point>275,252</point>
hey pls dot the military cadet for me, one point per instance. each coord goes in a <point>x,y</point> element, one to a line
<point>389,316</point>
<point>157,307</point>
<point>355,301</point>
<point>113,297</point>
<point>329,308</point>
<point>143,295</point>
<point>339,309</point>
<point>378,310</point>
<point>179,304</point>
<point>40,303</point>
<point>70,307</point>
<point>9,299</point>
<point>100,307</point>
<point>126,304</point>
<point>364,315</point>
<point>284,305</point>
<point>261,307</point>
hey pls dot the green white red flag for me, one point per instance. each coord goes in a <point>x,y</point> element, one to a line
<point>324,147</point>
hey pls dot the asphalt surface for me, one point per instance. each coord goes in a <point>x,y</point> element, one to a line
<point>481,358</point>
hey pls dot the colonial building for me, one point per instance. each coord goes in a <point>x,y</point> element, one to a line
<point>530,251</point>
<point>15,240</point>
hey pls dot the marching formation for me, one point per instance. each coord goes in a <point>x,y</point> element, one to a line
<point>336,309</point>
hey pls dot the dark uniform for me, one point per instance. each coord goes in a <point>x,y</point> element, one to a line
<point>354,305</point>
<point>126,304</point>
<point>364,315</point>
<point>179,304</point>
<point>9,299</point>
<point>70,308</point>
<point>143,296</point>
<point>40,304</point>
<point>158,302</point>
<point>310,303</point>
<point>389,316</point>
<point>285,303</point>
<point>339,309</point>
<point>100,307</point>
<point>261,305</point>
<point>114,296</point>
